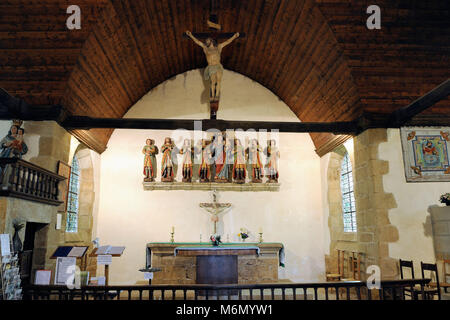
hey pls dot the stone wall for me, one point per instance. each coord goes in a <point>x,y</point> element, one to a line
<point>375,231</point>
<point>49,143</point>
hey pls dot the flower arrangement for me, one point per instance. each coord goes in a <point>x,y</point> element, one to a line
<point>445,198</point>
<point>215,239</point>
<point>244,234</point>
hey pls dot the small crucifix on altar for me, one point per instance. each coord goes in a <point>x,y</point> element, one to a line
<point>215,208</point>
<point>212,49</point>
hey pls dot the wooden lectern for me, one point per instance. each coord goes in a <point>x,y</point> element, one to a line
<point>94,254</point>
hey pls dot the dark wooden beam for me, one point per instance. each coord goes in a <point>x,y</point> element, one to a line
<point>86,123</point>
<point>15,108</point>
<point>403,115</point>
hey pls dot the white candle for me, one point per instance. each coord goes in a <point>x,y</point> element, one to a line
<point>260,230</point>
<point>173,229</point>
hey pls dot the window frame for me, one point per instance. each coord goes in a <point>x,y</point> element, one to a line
<point>348,197</point>
<point>75,171</point>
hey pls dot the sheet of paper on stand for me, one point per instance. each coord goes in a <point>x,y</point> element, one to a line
<point>116,250</point>
<point>5,244</point>
<point>104,259</point>
<point>43,277</point>
<point>65,268</point>
<point>103,250</point>
<point>100,281</point>
<point>77,252</point>
<point>148,275</point>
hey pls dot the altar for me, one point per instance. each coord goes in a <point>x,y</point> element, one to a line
<point>201,263</point>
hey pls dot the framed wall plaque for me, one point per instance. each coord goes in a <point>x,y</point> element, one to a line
<point>426,153</point>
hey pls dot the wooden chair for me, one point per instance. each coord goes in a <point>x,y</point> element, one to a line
<point>446,283</point>
<point>351,259</point>
<point>408,265</point>
<point>336,276</point>
<point>355,265</point>
<point>446,275</point>
<point>433,288</point>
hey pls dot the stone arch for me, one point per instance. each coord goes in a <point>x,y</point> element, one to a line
<point>83,236</point>
<point>339,240</point>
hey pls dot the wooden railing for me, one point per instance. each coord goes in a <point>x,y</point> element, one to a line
<point>351,290</point>
<point>25,180</point>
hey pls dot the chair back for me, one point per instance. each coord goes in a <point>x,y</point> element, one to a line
<point>406,264</point>
<point>446,273</point>
<point>431,267</point>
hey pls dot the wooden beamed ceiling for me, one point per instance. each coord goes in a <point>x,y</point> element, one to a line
<point>317,56</point>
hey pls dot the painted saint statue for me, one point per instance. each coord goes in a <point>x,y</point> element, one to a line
<point>254,161</point>
<point>239,171</point>
<point>205,167</point>
<point>167,170</point>
<point>12,145</point>
<point>221,173</point>
<point>150,151</point>
<point>188,159</point>
<point>273,154</point>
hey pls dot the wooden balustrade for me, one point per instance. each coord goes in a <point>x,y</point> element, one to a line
<point>347,290</point>
<point>25,180</point>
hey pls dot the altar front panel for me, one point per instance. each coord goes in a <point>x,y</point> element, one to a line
<point>262,268</point>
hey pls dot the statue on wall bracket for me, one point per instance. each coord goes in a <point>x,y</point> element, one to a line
<point>188,158</point>
<point>150,151</point>
<point>219,153</point>
<point>167,166</point>
<point>273,154</point>
<point>254,161</point>
<point>239,171</point>
<point>205,167</point>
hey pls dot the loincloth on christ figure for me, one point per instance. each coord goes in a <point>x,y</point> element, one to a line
<point>210,70</point>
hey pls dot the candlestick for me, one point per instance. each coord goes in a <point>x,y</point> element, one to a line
<point>200,238</point>
<point>171,235</point>
<point>260,237</point>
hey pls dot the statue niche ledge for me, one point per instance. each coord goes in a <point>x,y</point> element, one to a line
<point>207,186</point>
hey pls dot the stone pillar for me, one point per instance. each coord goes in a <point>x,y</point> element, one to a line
<point>375,231</point>
<point>54,145</point>
<point>440,221</point>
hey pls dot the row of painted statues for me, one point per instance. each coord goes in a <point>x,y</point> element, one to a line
<point>218,160</point>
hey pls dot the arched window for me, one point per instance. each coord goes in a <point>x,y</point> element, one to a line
<point>348,196</point>
<point>72,200</point>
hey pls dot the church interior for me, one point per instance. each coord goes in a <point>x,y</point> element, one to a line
<point>254,149</point>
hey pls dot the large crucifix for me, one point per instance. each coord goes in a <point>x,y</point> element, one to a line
<point>213,49</point>
<point>215,209</point>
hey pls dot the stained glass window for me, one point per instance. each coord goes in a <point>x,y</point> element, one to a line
<point>72,200</point>
<point>348,196</point>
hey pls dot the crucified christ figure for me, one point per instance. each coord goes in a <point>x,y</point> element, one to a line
<point>214,70</point>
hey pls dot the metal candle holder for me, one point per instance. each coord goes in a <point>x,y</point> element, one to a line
<point>171,237</point>
<point>260,237</point>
